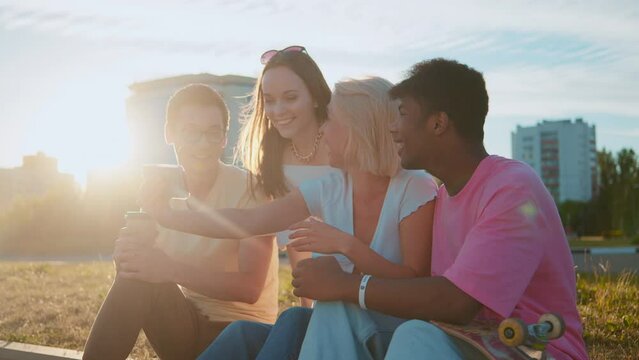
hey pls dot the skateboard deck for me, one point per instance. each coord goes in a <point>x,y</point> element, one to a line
<point>481,339</point>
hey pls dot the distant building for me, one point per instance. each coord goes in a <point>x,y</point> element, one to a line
<point>37,175</point>
<point>146,109</point>
<point>563,153</point>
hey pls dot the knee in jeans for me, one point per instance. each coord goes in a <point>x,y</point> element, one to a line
<point>133,285</point>
<point>412,325</point>
<point>238,327</point>
<point>418,328</point>
<point>296,314</point>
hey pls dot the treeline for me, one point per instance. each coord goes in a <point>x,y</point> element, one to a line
<point>65,221</point>
<point>614,209</point>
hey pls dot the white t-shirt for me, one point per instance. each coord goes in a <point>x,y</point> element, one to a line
<point>295,175</point>
<point>330,198</point>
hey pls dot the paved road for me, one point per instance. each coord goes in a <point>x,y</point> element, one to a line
<point>614,262</point>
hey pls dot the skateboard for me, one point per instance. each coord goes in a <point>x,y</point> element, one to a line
<point>510,339</point>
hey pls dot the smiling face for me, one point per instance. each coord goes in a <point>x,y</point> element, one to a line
<point>410,133</point>
<point>288,103</point>
<point>199,137</point>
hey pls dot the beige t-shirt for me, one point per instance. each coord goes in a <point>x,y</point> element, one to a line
<point>230,190</point>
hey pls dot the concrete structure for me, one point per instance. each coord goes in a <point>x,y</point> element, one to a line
<point>612,260</point>
<point>563,153</point>
<point>19,351</point>
<point>37,175</point>
<point>146,109</point>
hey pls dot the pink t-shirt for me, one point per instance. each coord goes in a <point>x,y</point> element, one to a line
<point>501,241</point>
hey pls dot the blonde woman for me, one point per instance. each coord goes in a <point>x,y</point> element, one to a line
<point>374,217</point>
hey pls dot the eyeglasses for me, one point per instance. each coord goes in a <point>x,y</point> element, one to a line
<point>192,136</point>
<point>268,55</point>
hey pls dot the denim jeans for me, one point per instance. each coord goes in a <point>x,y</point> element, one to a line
<point>416,339</point>
<point>339,330</point>
<point>244,340</point>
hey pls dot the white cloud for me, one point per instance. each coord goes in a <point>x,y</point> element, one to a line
<point>541,59</point>
<point>564,89</point>
<point>346,25</point>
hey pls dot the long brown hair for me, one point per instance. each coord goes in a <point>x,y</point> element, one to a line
<point>260,146</point>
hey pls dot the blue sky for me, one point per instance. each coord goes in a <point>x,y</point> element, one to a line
<point>65,65</point>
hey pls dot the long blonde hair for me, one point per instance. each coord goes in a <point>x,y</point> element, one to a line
<point>367,110</point>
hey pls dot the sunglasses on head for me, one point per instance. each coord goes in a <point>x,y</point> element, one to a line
<point>268,55</point>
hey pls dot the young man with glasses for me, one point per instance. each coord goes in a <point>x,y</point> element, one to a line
<point>184,290</point>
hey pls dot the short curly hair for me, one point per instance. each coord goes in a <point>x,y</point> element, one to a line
<point>450,87</point>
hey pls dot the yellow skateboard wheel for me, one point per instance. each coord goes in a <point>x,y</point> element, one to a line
<point>557,323</point>
<point>512,332</point>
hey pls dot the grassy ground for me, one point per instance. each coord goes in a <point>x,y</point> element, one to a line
<point>609,307</point>
<point>55,304</point>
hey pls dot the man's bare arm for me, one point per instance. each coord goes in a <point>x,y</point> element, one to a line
<point>428,298</point>
<point>245,285</point>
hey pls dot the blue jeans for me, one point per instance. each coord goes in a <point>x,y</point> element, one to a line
<point>244,340</point>
<point>338,330</point>
<point>416,339</point>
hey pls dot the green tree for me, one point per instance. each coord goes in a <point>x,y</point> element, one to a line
<point>614,208</point>
<point>626,191</point>
<point>40,224</point>
<point>603,202</point>
<point>573,216</point>
<point>65,222</point>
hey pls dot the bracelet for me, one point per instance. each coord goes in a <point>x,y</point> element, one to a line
<point>362,291</point>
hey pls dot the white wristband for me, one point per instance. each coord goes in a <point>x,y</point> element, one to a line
<point>362,291</point>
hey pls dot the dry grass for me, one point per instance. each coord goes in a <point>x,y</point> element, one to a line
<point>609,306</point>
<point>55,304</point>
